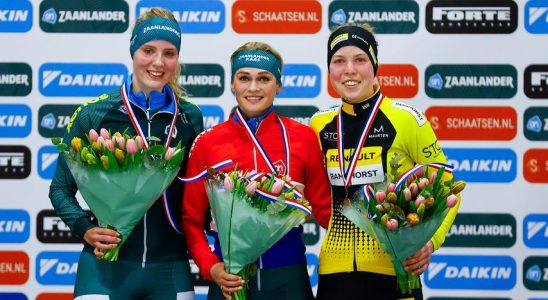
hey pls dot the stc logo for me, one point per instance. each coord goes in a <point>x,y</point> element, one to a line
<point>15,16</point>
<point>14,226</point>
<point>80,79</point>
<point>15,120</point>
<point>312,267</point>
<point>536,16</point>
<point>535,231</point>
<point>471,16</point>
<point>472,272</point>
<point>300,81</point>
<point>473,123</point>
<point>57,268</point>
<point>47,161</point>
<point>482,165</point>
<point>535,81</point>
<point>267,16</point>
<point>212,115</point>
<point>51,229</point>
<point>202,16</point>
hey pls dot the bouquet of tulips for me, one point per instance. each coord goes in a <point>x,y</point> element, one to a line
<point>119,177</point>
<point>404,212</point>
<point>252,212</point>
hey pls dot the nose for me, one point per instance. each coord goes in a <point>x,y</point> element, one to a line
<point>253,86</point>
<point>350,68</point>
<point>157,60</point>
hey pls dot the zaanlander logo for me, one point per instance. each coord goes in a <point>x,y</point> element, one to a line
<point>471,81</point>
<point>14,162</point>
<point>535,165</point>
<point>535,81</point>
<point>482,230</point>
<point>482,164</point>
<point>15,267</point>
<point>51,229</point>
<point>54,118</point>
<point>300,81</point>
<point>472,123</point>
<point>535,273</point>
<point>80,79</point>
<point>471,16</point>
<point>384,16</point>
<point>471,272</point>
<point>14,226</point>
<point>311,233</point>
<point>57,268</point>
<point>536,16</point>
<point>15,120</point>
<point>15,79</point>
<point>301,113</point>
<point>535,125</point>
<point>269,16</point>
<point>15,16</point>
<point>203,80</point>
<point>535,231</point>
<point>195,16</point>
<point>98,16</point>
<point>212,115</point>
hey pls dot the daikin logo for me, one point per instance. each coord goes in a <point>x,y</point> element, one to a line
<point>471,272</point>
<point>300,81</point>
<point>212,115</point>
<point>536,16</point>
<point>49,16</point>
<point>203,16</point>
<point>338,17</point>
<point>14,226</point>
<point>84,79</point>
<point>57,268</point>
<point>483,165</point>
<point>535,231</point>
<point>15,16</point>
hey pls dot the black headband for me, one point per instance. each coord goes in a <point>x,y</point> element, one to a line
<point>353,36</point>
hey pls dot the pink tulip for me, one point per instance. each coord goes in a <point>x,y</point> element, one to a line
<point>420,200</point>
<point>139,142</point>
<point>169,153</point>
<point>433,177</point>
<point>452,200</point>
<point>228,184</point>
<point>105,134</point>
<point>251,188</point>
<point>93,135</point>
<point>131,147</point>
<point>109,145</point>
<point>392,224</point>
<point>101,140</point>
<point>120,141</point>
<point>380,196</point>
<point>379,207</point>
<point>414,188</point>
<point>391,187</point>
<point>407,194</point>
<point>423,182</point>
<point>277,187</point>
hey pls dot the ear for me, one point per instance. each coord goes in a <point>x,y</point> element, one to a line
<point>278,88</point>
<point>232,89</point>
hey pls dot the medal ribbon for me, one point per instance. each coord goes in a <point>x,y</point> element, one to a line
<point>261,149</point>
<point>349,171</point>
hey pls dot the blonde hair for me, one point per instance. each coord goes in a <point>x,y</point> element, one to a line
<point>258,46</point>
<point>158,12</point>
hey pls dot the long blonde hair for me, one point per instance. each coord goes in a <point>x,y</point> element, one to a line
<point>158,12</point>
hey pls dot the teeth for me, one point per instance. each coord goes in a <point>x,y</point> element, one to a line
<point>158,74</point>
<point>253,98</point>
<point>350,83</point>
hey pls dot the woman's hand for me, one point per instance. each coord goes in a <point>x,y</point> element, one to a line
<point>418,262</point>
<point>228,283</point>
<point>101,239</point>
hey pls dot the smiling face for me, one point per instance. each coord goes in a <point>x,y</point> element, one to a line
<point>352,74</point>
<point>154,64</point>
<point>255,90</point>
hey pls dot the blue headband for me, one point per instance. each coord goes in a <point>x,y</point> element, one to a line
<point>259,59</point>
<point>152,29</point>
